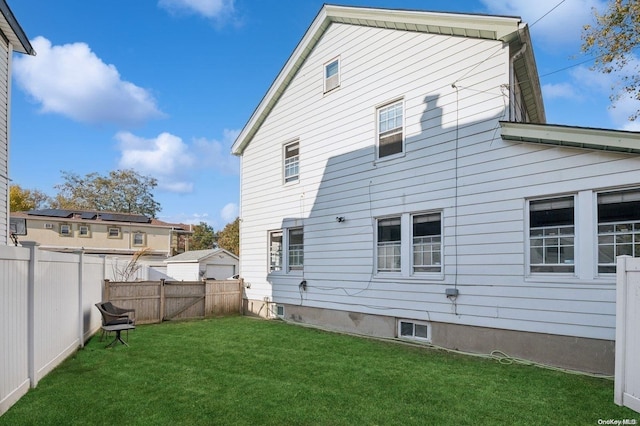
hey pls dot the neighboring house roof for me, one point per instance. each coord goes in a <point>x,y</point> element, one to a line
<point>570,136</point>
<point>196,256</point>
<point>13,32</point>
<point>92,216</point>
<point>505,28</point>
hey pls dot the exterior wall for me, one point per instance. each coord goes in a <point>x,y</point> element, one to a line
<point>455,162</point>
<point>156,238</point>
<point>4,141</point>
<point>184,271</point>
<point>190,271</point>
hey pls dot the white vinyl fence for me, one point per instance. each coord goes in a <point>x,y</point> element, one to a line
<point>627,376</point>
<point>46,313</point>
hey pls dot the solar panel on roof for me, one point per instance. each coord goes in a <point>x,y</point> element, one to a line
<point>88,215</point>
<point>119,217</point>
<point>51,212</point>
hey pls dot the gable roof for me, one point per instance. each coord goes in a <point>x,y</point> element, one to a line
<point>195,256</point>
<point>505,28</point>
<point>571,136</point>
<point>12,31</point>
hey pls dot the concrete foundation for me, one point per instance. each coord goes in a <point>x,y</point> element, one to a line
<point>573,353</point>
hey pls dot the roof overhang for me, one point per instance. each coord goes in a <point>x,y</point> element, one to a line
<point>504,28</point>
<point>13,31</point>
<point>574,137</point>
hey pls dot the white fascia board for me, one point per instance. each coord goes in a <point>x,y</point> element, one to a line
<point>576,137</point>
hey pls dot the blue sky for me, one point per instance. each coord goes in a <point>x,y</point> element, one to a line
<point>165,86</point>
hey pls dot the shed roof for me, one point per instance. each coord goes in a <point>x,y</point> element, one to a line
<point>12,30</point>
<point>505,28</point>
<point>195,256</point>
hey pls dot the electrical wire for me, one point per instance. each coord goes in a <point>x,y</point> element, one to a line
<point>551,10</point>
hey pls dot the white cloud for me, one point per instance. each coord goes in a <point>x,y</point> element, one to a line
<point>229,212</point>
<point>73,81</point>
<point>561,26</point>
<point>559,91</point>
<point>166,157</point>
<point>217,154</point>
<point>217,9</point>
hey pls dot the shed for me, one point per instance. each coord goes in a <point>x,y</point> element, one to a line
<point>200,264</point>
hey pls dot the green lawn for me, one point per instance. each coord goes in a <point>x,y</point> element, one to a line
<point>245,371</point>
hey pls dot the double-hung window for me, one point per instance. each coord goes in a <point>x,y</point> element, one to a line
<point>291,162</point>
<point>138,238</point>
<point>427,243</point>
<point>65,230</point>
<point>275,251</point>
<point>331,75</point>
<point>295,249</point>
<point>618,228</point>
<point>389,245</point>
<point>390,129</point>
<point>552,235</point>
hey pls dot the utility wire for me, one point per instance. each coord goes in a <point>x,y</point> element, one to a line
<point>552,9</point>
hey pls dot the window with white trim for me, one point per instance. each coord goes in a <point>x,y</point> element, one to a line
<point>389,244</point>
<point>427,242</point>
<point>295,249</point>
<point>618,228</point>
<point>332,75</point>
<point>139,238</point>
<point>65,230</point>
<point>552,235</point>
<point>291,162</point>
<point>390,131</point>
<point>409,329</point>
<point>113,232</point>
<point>275,251</point>
<point>84,231</point>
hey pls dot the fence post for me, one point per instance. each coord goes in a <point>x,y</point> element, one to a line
<point>80,254</point>
<point>105,291</point>
<point>161,300</point>
<point>31,320</point>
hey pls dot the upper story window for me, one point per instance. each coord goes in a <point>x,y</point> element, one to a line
<point>296,249</point>
<point>552,235</point>
<point>138,238</point>
<point>618,228</point>
<point>275,251</point>
<point>332,75</point>
<point>291,162</point>
<point>65,230</point>
<point>427,242</point>
<point>389,245</point>
<point>84,231</point>
<point>390,129</point>
<point>113,232</point>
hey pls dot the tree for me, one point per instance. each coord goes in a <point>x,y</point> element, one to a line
<point>229,237</point>
<point>203,237</point>
<point>612,40</point>
<point>26,199</point>
<point>123,191</point>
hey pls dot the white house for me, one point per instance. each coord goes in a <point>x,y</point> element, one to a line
<point>398,179</point>
<point>13,40</point>
<point>197,265</point>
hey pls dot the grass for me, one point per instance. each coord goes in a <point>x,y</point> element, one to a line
<point>244,371</point>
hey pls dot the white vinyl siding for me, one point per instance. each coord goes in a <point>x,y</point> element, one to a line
<point>453,162</point>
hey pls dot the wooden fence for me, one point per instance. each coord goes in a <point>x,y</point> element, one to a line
<point>157,301</point>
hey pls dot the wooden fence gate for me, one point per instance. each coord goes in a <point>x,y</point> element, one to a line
<point>157,301</point>
<point>627,376</point>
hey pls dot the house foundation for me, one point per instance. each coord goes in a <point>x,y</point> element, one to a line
<point>567,352</point>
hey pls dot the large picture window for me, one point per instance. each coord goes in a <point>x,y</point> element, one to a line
<point>618,228</point>
<point>389,245</point>
<point>552,235</point>
<point>390,129</point>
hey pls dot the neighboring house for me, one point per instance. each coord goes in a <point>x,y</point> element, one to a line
<point>399,180</point>
<point>13,40</point>
<point>94,232</point>
<point>196,265</point>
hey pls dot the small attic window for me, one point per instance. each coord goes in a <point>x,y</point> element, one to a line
<point>332,75</point>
